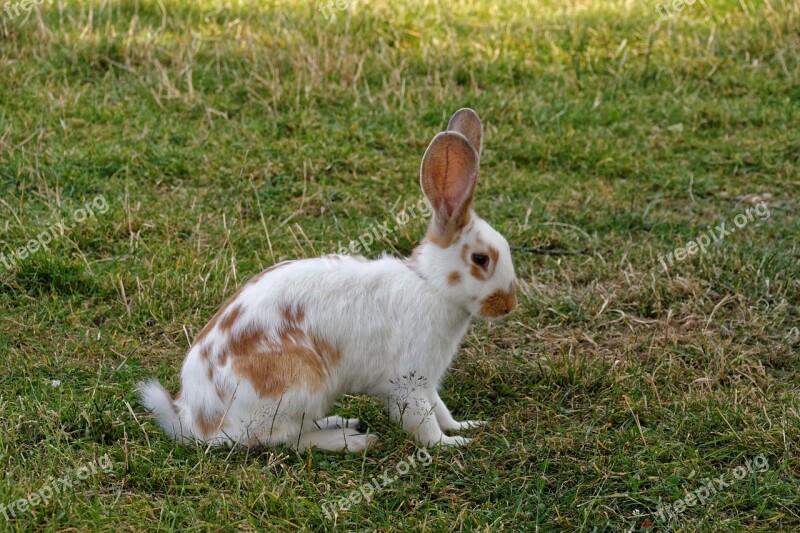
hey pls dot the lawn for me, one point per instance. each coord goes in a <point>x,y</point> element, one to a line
<point>649,382</point>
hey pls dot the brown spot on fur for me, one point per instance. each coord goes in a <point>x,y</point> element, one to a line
<point>208,424</point>
<point>494,255</point>
<point>293,316</point>
<point>477,272</point>
<point>213,322</point>
<point>499,303</point>
<point>245,343</point>
<point>220,391</point>
<point>211,373</point>
<point>230,318</point>
<point>294,358</point>
<point>453,278</point>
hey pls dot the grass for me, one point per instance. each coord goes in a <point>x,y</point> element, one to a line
<point>226,137</point>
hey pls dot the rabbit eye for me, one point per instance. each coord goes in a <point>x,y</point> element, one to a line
<point>482,260</point>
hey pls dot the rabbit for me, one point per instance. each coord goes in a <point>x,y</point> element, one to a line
<point>269,365</point>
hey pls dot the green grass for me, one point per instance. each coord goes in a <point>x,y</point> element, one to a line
<point>226,137</point>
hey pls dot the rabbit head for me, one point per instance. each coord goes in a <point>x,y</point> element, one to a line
<point>462,255</point>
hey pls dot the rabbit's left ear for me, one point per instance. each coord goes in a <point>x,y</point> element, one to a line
<point>466,122</point>
<point>448,175</point>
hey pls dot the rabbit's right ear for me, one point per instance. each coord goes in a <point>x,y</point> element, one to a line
<point>466,122</point>
<point>448,175</point>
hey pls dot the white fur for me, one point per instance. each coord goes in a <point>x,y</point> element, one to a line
<point>398,325</point>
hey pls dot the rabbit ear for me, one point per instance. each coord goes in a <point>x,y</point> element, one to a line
<point>466,122</point>
<point>448,175</point>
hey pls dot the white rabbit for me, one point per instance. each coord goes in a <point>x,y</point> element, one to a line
<point>268,366</point>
